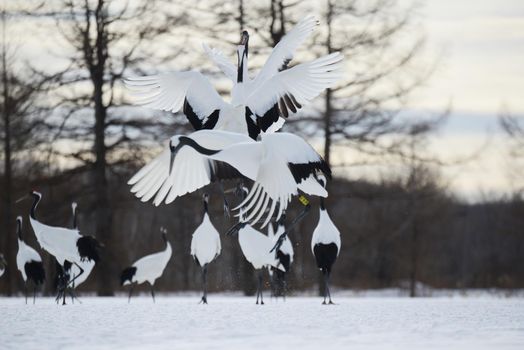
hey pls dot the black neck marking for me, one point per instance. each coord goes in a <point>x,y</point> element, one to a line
<point>36,200</point>
<point>19,229</point>
<point>322,205</point>
<point>186,141</point>
<point>240,72</point>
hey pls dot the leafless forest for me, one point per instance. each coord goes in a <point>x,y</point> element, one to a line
<point>71,132</point>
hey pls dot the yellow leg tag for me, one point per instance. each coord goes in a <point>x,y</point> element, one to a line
<point>303,200</point>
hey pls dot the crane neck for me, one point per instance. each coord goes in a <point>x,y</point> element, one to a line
<point>322,204</point>
<point>242,65</point>
<point>75,220</point>
<point>19,229</point>
<point>36,200</point>
<point>205,207</point>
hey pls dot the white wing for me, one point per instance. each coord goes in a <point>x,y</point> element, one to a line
<point>228,68</point>
<point>291,89</point>
<point>256,248</point>
<point>285,49</point>
<point>190,91</point>
<point>279,165</point>
<point>58,241</point>
<point>190,170</point>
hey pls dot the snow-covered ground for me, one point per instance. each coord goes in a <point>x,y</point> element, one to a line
<point>233,322</point>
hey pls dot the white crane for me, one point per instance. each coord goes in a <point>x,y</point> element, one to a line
<point>29,262</point>
<point>63,243</point>
<point>325,245</point>
<point>284,256</point>
<point>280,164</point>
<point>148,268</point>
<point>72,271</point>
<point>256,105</point>
<point>256,248</point>
<point>3,265</point>
<point>205,245</point>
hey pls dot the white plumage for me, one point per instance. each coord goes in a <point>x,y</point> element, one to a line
<point>325,232</point>
<point>257,104</point>
<point>205,246</point>
<point>255,247</point>
<point>29,262</point>
<point>280,164</point>
<point>148,268</point>
<point>325,244</point>
<point>26,254</point>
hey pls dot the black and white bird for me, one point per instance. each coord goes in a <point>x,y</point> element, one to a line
<point>205,246</point>
<point>86,265</point>
<point>64,244</point>
<point>284,256</point>
<point>256,248</point>
<point>280,164</point>
<point>325,245</point>
<point>256,105</point>
<point>148,268</point>
<point>29,262</point>
<point>3,265</point>
<point>71,272</point>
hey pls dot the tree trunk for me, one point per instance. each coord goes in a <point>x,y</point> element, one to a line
<point>8,243</point>
<point>414,261</point>
<point>103,211</point>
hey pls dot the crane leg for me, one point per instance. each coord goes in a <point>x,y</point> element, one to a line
<point>328,291</point>
<point>130,292</point>
<point>204,284</point>
<point>25,292</point>
<point>259,288</point>
<point>73,280</point>
<point>153,293</point>
<point>34,294</point>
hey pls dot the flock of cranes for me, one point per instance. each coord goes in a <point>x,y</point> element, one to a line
<point>237,140</point>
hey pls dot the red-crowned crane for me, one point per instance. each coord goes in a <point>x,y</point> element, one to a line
<point>205,246</point>
<point>29,262</point>
<point>148,268</point>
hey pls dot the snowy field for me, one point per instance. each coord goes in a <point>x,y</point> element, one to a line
<point>232,322</point>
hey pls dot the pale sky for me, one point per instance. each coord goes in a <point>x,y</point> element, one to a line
<point>479,46</point>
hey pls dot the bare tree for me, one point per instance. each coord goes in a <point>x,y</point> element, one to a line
<point>22,130</point>
<point>106,41</point>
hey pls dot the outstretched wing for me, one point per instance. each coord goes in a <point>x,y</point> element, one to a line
<point>190,171</point>
<point>225,65</point>
<point>288,91</point>
<point>280,165</point>
<point>188,91</point>
<point>283,52</point>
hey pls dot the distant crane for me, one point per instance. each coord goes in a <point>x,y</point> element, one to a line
<point>256,246</point>
<point>205,246</point>
<point>325,244</point>
<point>72,271</point>
<point>29,262</point>
<point>285,258</point>
<point>63,243</point>
<point>148,268</point>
